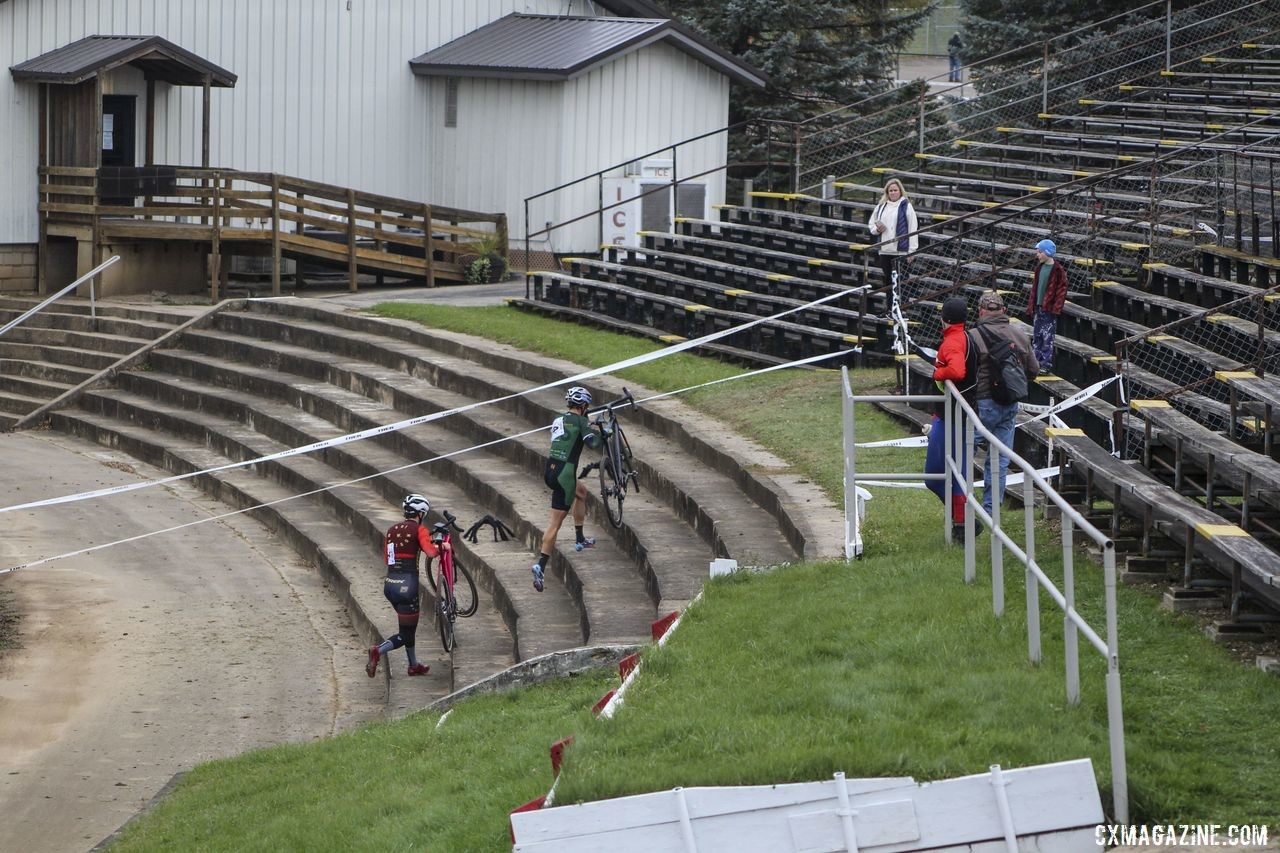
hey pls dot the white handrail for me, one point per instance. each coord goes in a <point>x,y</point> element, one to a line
<point>89,276</point>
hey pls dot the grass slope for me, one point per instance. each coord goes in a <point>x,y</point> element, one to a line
<point>892,665</point>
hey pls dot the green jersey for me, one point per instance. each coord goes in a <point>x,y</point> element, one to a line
<point>568,432</point>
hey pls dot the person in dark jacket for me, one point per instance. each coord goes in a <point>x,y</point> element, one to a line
<point>992,327</point>
<point>1048,293</point>
<point>954,46</point>
<point>952,362</point>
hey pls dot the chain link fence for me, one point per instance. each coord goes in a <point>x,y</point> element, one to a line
<point>1018,90</point>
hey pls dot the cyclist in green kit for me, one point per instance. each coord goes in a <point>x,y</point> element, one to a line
<point>568,433</point>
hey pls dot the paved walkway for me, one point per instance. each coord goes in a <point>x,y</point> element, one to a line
<point>147,658</point>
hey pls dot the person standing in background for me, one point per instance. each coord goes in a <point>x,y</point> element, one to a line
<point>892,220</point>
<point>1048,294</point>
<point>953,55</point>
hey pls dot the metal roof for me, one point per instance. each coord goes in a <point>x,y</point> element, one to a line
<point>555,47</point>
<point>159,58</point>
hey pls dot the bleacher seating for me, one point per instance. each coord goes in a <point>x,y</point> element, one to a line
<point>1153,256</point>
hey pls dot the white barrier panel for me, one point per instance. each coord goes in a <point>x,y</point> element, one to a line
<point>1051,808</point>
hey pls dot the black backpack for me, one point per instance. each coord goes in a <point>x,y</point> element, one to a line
<point>1004,365</point>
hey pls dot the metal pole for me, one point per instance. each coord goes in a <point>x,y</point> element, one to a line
<point>795,171</point>
<point>947,424</point>
<point>1168,33</point>
<point>1115,713</point>
<point>526,248</point>
<point>1033,583</point>
<point>1044,81</point>
<point>920,126</point>
<point>1070,633</point>
<point>850,466</point>
<point>966,483</point>
<point>1002,808</point>
<point>991,487</point>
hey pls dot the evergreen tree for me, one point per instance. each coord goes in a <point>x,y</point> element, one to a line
<point>818,54</point>
<point>994,27</point>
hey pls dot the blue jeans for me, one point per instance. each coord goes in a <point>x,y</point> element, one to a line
<point>1000,418</point>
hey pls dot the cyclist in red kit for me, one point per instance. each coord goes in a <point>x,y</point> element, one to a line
<point>403,542</point>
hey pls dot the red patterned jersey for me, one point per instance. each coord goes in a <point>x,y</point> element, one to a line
<point>405,539</point>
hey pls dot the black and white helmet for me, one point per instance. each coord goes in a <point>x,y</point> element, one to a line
<point>577,396</point>
<point>415,504</point>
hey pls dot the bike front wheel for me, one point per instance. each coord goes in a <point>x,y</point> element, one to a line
<point>464,590</point>
<point>611,491</point>
<point>445,624</point>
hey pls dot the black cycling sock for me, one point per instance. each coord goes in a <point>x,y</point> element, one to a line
<point>542,560</point>
<point>577,532</point>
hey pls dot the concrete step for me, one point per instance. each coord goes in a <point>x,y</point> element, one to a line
<point>105,343</point>
<point>707,499</point>
<point>538,624</point>
<point>171,315</point>
<point>45,370</point>
<point>86,359</point>
<point>808,520</point>
<point>352,571</point>
<point>17,403</point>
<point>41,389</point>
<point>671,581</point>
<point>83,323</point>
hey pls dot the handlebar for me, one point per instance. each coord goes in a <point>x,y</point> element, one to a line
<point>450,521</point>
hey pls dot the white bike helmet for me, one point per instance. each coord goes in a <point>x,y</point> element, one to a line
<point>415,504</point>
<point>577,396</point>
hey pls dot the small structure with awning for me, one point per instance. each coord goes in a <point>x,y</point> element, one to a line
<point>89,154</point>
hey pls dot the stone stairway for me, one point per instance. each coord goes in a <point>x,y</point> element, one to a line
<point>56,350</point>
<point>262,377</point>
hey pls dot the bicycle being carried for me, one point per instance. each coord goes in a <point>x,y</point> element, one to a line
<point>616,474</point>
<point>452,600</point>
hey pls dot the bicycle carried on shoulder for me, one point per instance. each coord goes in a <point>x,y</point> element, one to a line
<point>453,599</point>
<point>617,476</point>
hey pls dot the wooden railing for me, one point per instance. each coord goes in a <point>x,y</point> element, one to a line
<point>261,213</point>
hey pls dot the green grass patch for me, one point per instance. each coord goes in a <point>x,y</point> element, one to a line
<point>888,666</point>
<point>388,786</point>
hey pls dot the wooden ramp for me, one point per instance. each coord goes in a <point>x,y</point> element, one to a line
<point>261,214</point>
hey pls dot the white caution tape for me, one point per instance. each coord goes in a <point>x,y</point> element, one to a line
<point>913,441</point>
<point>1009,480</point>
<point>34,563</point>
<point>1042,412</point>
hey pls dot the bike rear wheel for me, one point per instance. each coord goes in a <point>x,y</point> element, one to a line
<point>444,623</point>
<point>611,491</point>
<point>465,599</point>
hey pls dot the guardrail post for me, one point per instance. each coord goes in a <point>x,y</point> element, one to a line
<point>1033,584</point>
<point>1044,81</point>
<point>748,187</point>
<point>966,483</point>
<point>947,424</point>
<point>1115,712</point>
<point>526,248</point>
<point>1070,633</point>
<point>997,547</point>
<point>428,255</point>
<point>215,255</point>
<point>275,235</point>
<point>850,467</point>
<point>351,240</point>
<point>1168,34</point>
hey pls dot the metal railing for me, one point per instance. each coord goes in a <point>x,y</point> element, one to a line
<point>87,277</point>
<point>959,418</point>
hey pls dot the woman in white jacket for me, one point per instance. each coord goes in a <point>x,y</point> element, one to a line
<point>890,222</point>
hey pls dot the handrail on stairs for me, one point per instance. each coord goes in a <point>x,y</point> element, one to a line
<point>89,277</point>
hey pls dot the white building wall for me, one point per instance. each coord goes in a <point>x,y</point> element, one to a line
<point>629,108</point>
<point>326,93</point>
<point>506,145</point>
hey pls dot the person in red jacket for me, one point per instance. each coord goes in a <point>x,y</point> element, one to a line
<point>1048,293</point>
<point>953,362</point>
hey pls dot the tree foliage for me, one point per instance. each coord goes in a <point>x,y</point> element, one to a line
<point>818,54</point>
<point>993,27</point>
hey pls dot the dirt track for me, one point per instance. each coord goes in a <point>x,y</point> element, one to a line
<point>147,658</point>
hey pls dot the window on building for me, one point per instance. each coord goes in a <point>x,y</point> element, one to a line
<point>451,102</point>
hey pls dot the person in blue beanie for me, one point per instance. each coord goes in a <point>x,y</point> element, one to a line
<point>1048,293</point>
